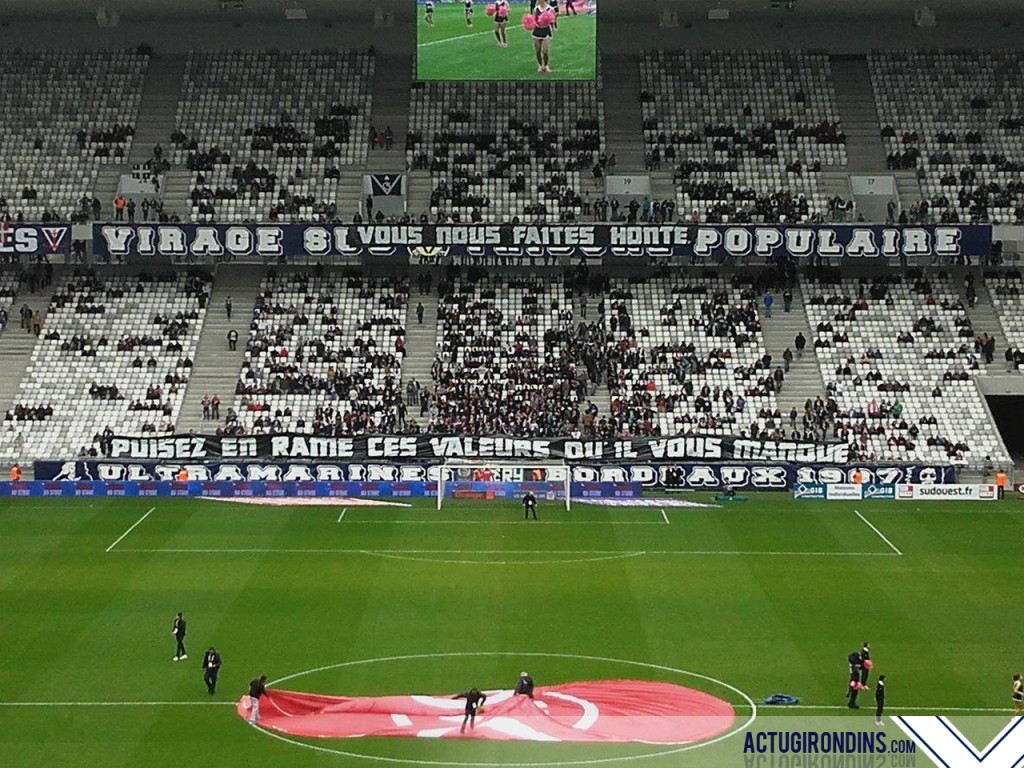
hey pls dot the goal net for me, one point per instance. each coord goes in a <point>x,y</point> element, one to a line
<point>503,480</point>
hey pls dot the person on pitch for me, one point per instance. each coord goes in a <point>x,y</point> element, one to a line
<point>211,668</point>
<point>474,706</point>
<point>865,663</point>
<point>879,700</point>
<point>542,36</point>
<point>1017,693</point>
<point>467,9</point>
<point>529,505</point>
<point>257,688</point>
<point>524,687</point>
<point>854,686</point>
<point>501,22</point>
<point>428,12</point>
<point>178,630</point>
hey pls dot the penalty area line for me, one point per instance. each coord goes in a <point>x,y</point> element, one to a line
<point>577,552</point>
<point>131,528</point>
<point>664,516</point>
<point>342,515</point>
<point>881,535</point>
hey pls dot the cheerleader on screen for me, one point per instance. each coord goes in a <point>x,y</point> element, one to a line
<point>501,22</point>
<point>428,10</point>
<point>467,8</point>
<point>542,34</point>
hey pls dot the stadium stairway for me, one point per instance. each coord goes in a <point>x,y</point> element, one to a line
<point>858,114</point>
<point>601,396</point>
<point>216,367</point>
<point>420,343</point>
<point>418,193</point>
<point>985,319</point>
<point>908,188</point>
<point>623,129</point>
<point>350,192</point>
<point>391,83</point>
<point>176,191</point>
<point>158,110</point>
<point>663,187</point>
<point>107,181</point>
<point>804,378</point>
<point>16,344</point>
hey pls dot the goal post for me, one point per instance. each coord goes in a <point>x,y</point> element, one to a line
<point>503,480</point>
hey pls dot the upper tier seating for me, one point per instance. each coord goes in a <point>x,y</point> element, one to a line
<point>324,356</point>
<point>746,132</point>
<point>500,150</point>
<point>114,359</point>
<point>898,359</point>
<point>511,359</point>
<point>266,133</point>
<point>956,118</point>
<point>689,358</point>
<point>63,114</point>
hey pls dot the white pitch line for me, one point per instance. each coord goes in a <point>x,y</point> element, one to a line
<point>881,535</point>
<point>375,552</point>
<point>116,703</point>
<point>502,522</point>
<point>458,38</point>
<point>664,516</point>
<point>132,528</point>
<point>769,708</point>
<point>342,515</point>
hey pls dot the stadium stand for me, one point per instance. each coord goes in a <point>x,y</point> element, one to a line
<point>898,358</point>
<point>1007,293</point>
<point>63,114</point>
<point>689,358</point>
<point>114,358</point>
<point>9,286</point>
<point>505,150</point>
<point>267,133</point>
<point>747,133</point>
<point>324,356</point>
<point>512,358</point>
<point>955,118</point>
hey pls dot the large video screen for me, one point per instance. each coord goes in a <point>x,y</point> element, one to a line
<point>506,40</point>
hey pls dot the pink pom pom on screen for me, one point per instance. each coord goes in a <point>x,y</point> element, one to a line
<point>490,10</point>
<point>868,664</point>
<point>546,19</point>
<point>529,22</point>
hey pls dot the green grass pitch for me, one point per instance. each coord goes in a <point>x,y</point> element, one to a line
<point>766,596</point>
<point>450,50</point>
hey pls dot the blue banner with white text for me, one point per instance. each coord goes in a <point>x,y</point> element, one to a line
<point>656,477</point>
<point>34,240</point>
<point>434,242</point>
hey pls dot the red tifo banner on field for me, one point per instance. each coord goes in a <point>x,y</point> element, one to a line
<point>597,711</point>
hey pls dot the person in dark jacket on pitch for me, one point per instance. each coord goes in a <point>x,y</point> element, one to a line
<point>865,663</point>
<point>474,706</point>
<point>854,686</point>
<point>529,505</point>
<point>178,630</point>
<point>257,688</point>
<point>879,700</point>
<point>525,685</point>
<point>211,668</point>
